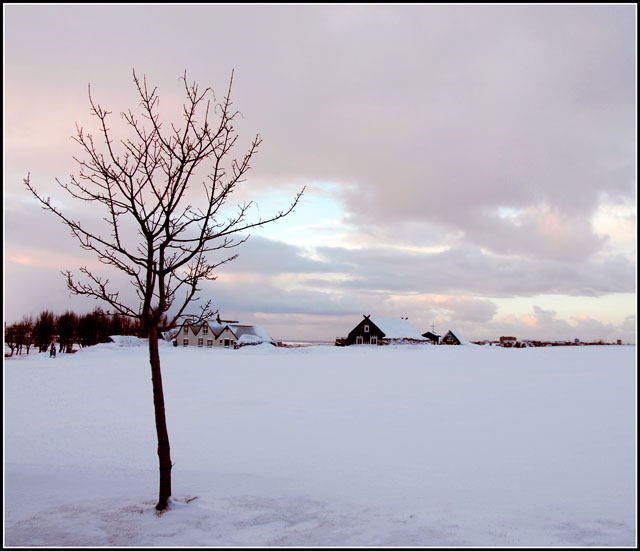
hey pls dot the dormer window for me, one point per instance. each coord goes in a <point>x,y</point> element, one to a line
<point>366,328</point>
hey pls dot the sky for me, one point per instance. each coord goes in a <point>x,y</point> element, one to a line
<point>470,167</point>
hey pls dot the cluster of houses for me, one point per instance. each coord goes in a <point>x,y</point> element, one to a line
<point>513,342</point>
<point>219,334</point>
<point>372,331</point>
<point>369,331</point>
<point>381,331</point>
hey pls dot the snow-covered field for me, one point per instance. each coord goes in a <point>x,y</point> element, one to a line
<point>325,446</point>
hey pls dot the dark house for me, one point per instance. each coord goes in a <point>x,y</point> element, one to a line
<point>383,331</point>
<point>453,338</point>
<point>435,339</point>
<point>366,332</point>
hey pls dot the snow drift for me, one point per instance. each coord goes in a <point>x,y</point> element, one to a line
<point>325,446</point>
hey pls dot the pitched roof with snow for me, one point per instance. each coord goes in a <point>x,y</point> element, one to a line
<point>458,336</point>
<point>251,334</point>
<point>244,333</point>
<point>397,329</point>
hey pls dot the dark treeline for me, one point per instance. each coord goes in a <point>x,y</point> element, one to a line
<point>67,329</point>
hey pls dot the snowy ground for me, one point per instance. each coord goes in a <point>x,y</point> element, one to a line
<point>325,446</point>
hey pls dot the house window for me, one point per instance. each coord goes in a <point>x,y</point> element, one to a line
<point>200,342</point>
<point>209,343</point>
<point>366,328</point>
<point>205,329</point>
<point>374,340</point>
<point>359,339</point>
<point>185,342</point>
<point>186,330</point>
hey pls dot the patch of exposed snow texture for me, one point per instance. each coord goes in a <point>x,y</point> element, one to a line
<point>397,329</point>
<point>324,446</point>
<point>128,340</point>
<point>251,334</point>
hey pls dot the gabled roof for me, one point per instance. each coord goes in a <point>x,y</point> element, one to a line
<point>397,328</point>
<point>219,329</point>
<point>194,328</point>
<point>242,333</point>
<point>458,336</point>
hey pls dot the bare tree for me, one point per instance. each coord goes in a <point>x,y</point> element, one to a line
<point>25,333</point>
<point>145,179</point>
<point>11,337</point>
<point>43,330</point>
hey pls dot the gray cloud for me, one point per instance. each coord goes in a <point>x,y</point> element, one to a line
<point>444,115</point>
<point>269,257</point>
<point>266,298</point>
<point>467,270</point>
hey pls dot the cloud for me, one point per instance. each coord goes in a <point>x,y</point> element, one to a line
<point>506,109</point>
<point>545,324</point>
<point>451,307</point>
<point>269,257</point>
<point>467,270</point>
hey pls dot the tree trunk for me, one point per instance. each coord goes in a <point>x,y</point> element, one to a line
<point>164,455</point>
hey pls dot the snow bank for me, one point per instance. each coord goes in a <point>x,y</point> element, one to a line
<point>251,339</point>
<point>436,446</point>
<point>128,340</point>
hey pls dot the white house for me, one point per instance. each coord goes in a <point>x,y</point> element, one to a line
<point>220,333</point>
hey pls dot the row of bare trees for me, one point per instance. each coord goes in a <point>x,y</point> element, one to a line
<point>67,329</point>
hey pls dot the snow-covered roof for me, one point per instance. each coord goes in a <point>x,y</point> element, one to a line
<point>128,340</point>
<point>218,329</point>
<point>250,334</point>
<point>397,328</point>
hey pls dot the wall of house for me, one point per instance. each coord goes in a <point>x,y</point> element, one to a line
<point>365,333</point>
<point>226,334</point>
<point>204,337</point>
<point>449,338</point>
<point>185,336</point>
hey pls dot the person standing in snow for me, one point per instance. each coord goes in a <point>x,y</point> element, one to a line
<point>52,351</point>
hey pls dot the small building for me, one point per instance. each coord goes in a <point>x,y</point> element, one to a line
<point>453,337</point>
<point>435,339</point>
<point>508,341</point>
<point>378,331</point>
